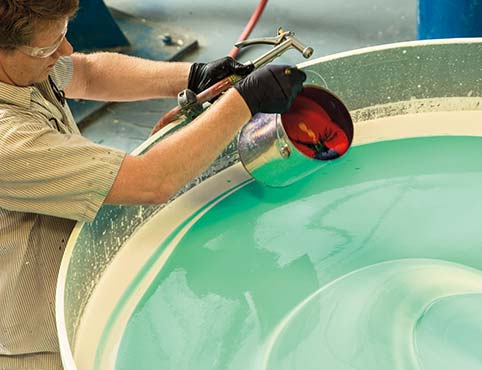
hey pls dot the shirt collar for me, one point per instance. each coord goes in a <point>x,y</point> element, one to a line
<point>16,95</point>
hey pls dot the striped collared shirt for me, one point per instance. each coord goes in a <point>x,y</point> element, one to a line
<point>50,177</point>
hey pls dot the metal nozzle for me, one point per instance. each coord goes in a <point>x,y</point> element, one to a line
<point>308,52</point>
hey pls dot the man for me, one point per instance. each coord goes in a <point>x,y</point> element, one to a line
<point>51,177</point>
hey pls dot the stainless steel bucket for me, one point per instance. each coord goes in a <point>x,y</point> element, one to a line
<point>273,152</point>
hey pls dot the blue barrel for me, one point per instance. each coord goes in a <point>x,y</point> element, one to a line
<point>449,18</point>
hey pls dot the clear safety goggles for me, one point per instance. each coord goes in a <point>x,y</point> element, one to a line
<point>46,51</point>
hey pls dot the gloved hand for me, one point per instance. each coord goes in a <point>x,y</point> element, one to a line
<point>271,89</point>
<point>204,75</point>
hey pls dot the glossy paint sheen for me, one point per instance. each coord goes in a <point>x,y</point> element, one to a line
<point>365,264</point>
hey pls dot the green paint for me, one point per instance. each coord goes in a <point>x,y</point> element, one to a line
<point>138,279</point>
<point>365,264</point>
<point>460,336</point>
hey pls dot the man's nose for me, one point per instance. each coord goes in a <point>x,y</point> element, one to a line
<point>65,48</point>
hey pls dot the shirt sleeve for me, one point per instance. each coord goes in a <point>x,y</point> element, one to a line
<point>62,72</point>
<point>48,172</point>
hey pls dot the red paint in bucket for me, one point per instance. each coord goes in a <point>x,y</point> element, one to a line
<point>312,131</point>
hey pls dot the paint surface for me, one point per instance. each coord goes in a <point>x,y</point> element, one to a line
<point>372,263</point>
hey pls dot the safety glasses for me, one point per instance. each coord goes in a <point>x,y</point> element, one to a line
<point>44,52</point>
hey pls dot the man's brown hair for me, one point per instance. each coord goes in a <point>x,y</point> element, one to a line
<point>20,19</point>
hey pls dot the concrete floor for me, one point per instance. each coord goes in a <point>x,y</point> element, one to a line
<point>329,26</point>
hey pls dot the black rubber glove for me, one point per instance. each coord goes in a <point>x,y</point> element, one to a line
<point>271,89</point>
<point>204,75</point>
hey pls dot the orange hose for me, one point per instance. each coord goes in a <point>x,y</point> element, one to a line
<point>249,27</point>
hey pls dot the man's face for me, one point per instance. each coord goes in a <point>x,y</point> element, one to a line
<point>21,69</point>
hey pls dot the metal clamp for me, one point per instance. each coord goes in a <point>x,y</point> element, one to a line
<point>187,101</point>
<point>284,41</point>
